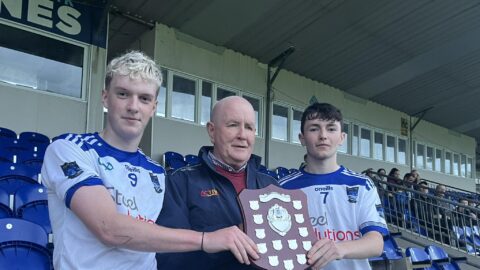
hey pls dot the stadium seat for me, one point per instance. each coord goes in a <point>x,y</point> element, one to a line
<point>292,170</point>
<point>192,159</point>
<point>14,176</point>
<point>33,137</point>
<point>7,133</point>
<point>6,156</point>
<point>31,203</point>
<point>271,173</point>
<point>12,147</point>
<point>173,160</point>
<point>471,237</point>
<point>462,239</point>
<point>391,251</point>
<point>441,260</point>
<point>23,245</point>
<point>281,172</point>
<point>418,258</point>
<point>5,209</point>
<point>32,160</point>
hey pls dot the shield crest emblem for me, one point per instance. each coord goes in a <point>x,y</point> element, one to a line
<point>274,218</point>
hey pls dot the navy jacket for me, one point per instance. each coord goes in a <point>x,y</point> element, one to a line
<point>200,199</point>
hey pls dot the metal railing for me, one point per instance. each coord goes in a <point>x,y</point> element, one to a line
<point>438,219</point>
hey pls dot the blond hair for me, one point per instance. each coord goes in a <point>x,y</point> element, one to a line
<point>134,64</point>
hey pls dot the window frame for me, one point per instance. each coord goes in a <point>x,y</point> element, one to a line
<point>86,70</point>
<point>260,112</point>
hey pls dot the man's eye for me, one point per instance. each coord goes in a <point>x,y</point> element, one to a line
<point>145,99</point>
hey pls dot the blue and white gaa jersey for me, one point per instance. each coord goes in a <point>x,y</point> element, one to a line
<point>135,182</point>
<point>342,205</point>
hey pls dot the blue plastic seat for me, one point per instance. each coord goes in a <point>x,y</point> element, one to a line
<point>14,176</point>
<point>281,172</point>
<point>437,254</point>
<point>13,146</point>
<point>471,236</point>
<point>271,173</point>
<point>173,160</point>
<point>34,137</point>
<point>33,160</point>
<point>5,209</point>
<point>23,245</point>
<point>7,133</point>
<point>31,203</point>
<point>192,160</point>
<point>441,259</point>
<point>418,257</point>
<point>391,251</point>
<point>293,170</point>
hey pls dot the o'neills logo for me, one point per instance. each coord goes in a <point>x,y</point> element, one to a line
<point>209,193</point>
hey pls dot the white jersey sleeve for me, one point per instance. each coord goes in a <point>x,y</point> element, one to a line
<point>66,164</point>
<point>371,218</point>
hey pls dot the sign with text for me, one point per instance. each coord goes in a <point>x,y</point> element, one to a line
<point>84,21</point>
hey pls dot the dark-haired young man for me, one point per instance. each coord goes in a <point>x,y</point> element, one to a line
<point>344,206</point>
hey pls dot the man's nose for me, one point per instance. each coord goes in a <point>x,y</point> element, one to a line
<point>132,104</point>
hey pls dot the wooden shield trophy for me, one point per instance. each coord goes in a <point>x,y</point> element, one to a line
<point>277,221</point>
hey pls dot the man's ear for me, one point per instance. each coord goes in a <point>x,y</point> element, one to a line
<point>104,98</point>
<point>301,138</point>
<point>211,131</point>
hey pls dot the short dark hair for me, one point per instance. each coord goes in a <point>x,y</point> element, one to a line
<point>322,111</point>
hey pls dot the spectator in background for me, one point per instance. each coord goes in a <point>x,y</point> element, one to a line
<point>369,172</point>
<point>394,178</point>
<point>422,208</point>
<point>415,174</point>
<point>409,180</point>
<point>465,217</point>
<point>381,173</point>
<point>442,211</point>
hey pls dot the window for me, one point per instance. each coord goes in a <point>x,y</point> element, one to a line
<point>456,161</point>
<point>469,167</point>
<point>256,107</point>
<point>402,151</point>
<point>162,95</point>
<point>223,93</point>
<point>463,166</point>
<point>355,140</point>
<point>41,63</point>
<point>390,149</point>
<point>296,121</point>
<point>279,122</point>
<point>344,147</point>
<point>206,102</point>
<point>378,146</point>
<point>438,160</point>
<point>183,98</point>
<point>365,142</point>
<point>429,159</point>
<point>420,156</point>
<point>448,162</point>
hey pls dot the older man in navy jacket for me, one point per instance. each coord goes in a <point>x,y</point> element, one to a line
<point>204,197</point>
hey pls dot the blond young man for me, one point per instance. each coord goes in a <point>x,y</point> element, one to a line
<point>104,194</point>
